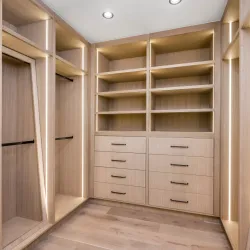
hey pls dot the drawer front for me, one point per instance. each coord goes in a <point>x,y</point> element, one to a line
<point>181,201</point>
<point>120,144</point>
<point>119,192</point>
<point>181,183</point>
<point>181,146</point>
<point>120,160</point>
<point>181,165</point>
<point>120,176</point>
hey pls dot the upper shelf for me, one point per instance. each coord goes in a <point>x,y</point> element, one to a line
<point>123,93</point>
<point>233,49</point>
<point>182,89</point>
<point>195,40</point>
<point>124,75</point>
<point>182,70</point>
<point>23,12</point>
<point>122,51</point>
<point>232,12</point>
<point>65,68</point>
<point>67,39</point>
<point>21,44</point>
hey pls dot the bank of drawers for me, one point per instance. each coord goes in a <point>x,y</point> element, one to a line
<point>120,164</point>
<point>181,174</point>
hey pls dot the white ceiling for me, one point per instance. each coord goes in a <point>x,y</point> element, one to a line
<point>134,17</point>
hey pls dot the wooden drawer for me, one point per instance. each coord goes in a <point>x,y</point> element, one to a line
<point>120,160</point>
<point>181,146</point>
<point>181,201</point>
<point>120,144</point>
<point>181,165</point>
<point>120,176</point>
<point>119,192</point>
<point>181,183</point>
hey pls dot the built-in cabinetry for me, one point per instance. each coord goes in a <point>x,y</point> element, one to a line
<point>157,120</point>
<point>43,121</point>
<point>235,187</point>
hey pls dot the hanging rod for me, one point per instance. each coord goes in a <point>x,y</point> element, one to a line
<point>64,138</point>
<point>17,143</point>
<point>65,77</point>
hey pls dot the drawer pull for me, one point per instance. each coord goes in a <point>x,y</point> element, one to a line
<point>179,183</point>
<point>113,192</point>
<point>179,201</point>
<point>173,146</point>
<point>119,160</point>
<point>117,176</point>
<point>118,144</point>
<point>179,165</point>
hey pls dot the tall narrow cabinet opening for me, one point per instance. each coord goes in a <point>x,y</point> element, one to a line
<point>22,204</point>
<point>69,123</point>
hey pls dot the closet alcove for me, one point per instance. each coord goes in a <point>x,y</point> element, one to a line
<point>22,186</point>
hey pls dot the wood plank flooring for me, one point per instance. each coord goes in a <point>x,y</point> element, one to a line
<point>110,227</point>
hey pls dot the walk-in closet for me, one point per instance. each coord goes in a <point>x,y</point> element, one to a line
<point>125,125</point>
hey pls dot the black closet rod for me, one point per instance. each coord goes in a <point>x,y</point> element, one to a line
<point>17,143</point>
<point>64,138</point>
<point>65,77</point>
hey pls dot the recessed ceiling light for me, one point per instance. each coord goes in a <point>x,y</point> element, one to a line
<point>174,2</point>
<point>108,15</point>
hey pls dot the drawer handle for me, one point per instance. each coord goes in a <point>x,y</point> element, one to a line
<point>118,144</point>
<point>117,176</point>
<point>179,201</point>
<point>119,160</point>
<point>113,192</point>
<point>179,165</point>
<point>179,183</point>
<point>173,146</point>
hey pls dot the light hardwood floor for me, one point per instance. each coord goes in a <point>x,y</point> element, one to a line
<point>104,225</point>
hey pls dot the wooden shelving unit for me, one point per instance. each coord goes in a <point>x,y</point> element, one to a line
<point>24,28</point>
<point>21,44</point>
<point>44,97</point>
<point>66,68</point>
<point>230,162</point>
<point>198,46</point>
<point>70,75</point>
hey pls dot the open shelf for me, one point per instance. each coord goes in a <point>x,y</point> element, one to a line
<point>182,90</point>
<point>176,101</point>
<point>122,112</point>
<point>120,104</point>
<point>122,81</point>
<point>122,57</point>
<point>198,46</point>
<point>183,70</point>
<point>166,111</point>
<point>232,230</point>
<point>187,121</point>
<point>67,39</point>
<point>70,51</point>
<point>126,121</point>
<point>124,93</point>
<point>233,50</point>
<point>65,68</point>
<point>65,204</point>
<point>26,19</point>
<point>21,44</point>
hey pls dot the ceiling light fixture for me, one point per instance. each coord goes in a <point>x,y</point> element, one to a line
<point>108,15</point>
<point>174,2</point>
